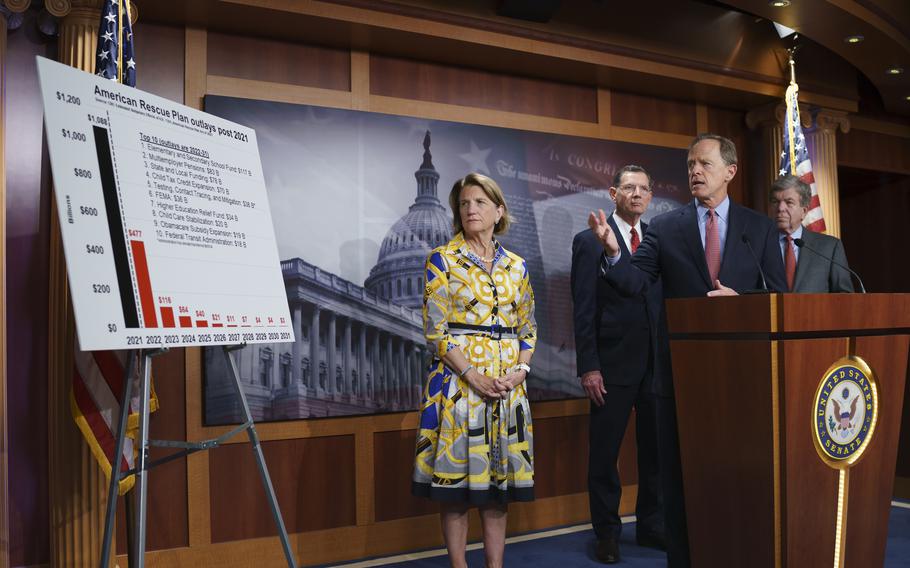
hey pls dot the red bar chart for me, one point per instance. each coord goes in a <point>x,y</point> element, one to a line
<point>144,283</point>
<point>167,316</point>
<point>167,230</point>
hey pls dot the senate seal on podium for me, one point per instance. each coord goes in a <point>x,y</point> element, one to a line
<point>844,413</point>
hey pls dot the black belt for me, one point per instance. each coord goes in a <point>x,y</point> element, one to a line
<point>494,331</point>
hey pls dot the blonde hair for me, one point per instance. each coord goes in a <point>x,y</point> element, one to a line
<point>491,189</point>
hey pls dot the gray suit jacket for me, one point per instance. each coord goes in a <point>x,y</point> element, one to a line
<point>815,272</point>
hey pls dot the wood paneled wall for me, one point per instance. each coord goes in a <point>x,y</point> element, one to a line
<point>870,150</point>
<point>273,61</point>
<point>647,113</point>
<point>344,484</point>
<point>874,207</point>
<point>874,180</point>
<point>422,81</point>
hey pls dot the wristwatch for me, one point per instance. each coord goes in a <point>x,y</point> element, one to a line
<point>523,367</point>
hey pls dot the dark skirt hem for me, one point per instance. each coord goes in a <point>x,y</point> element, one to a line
<point>472,496</point>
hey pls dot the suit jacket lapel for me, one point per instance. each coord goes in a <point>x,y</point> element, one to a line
<point>622,241</point>
<point>735,226</point>
<point>688,226</point>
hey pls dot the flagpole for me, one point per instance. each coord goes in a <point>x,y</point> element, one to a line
<point>129,38</point>
<point>792,110</point>
<point>791,51</point>
<point>120,41</point>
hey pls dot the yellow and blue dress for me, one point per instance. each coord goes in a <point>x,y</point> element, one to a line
<point>469,448</point>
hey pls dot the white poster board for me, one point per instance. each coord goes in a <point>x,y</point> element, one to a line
<point>164,217</point>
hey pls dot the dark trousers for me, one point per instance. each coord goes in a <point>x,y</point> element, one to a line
<point>607,428</point>
<point>672,481</point>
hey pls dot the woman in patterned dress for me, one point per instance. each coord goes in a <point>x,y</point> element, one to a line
<point>474,443</point>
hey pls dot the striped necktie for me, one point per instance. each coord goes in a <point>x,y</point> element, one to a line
<point>789,262</point>
<point>712,246</point>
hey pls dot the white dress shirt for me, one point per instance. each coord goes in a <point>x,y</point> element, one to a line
<point>625,230</point>
<point>782,240</point>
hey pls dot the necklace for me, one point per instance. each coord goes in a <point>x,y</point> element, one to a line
<point>481,256</point>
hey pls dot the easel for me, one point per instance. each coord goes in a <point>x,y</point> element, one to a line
<point>143,465</point>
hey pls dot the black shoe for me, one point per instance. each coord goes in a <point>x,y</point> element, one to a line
<point>607,550</point>
<point>651,540</point>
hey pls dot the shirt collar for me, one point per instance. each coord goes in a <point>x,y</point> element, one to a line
<point>459,244</point>
<point>797,234</point>
<point>625,227</point>
<point>722,210</point>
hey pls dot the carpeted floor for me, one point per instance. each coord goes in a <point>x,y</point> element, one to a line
<point>573,547</point>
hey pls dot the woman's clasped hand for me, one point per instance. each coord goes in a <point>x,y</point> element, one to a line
<point>498,387</point>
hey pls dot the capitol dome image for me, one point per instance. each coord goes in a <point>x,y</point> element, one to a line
<point>399,271</point>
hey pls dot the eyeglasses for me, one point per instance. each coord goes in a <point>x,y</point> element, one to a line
<point>630,188</point>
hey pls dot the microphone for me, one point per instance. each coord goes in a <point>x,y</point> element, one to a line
<point>764,283</point>
<point>802,244</point>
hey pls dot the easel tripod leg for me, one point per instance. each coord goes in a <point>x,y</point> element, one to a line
<point>141,486</point>
<point>115,465</point>
<point>260,461</point>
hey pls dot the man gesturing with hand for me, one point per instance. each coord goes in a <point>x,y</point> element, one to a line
<point>709,247</point>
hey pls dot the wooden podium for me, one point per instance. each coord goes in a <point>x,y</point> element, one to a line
<point>746,370</point>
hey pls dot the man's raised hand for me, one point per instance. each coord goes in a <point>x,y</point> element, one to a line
<point>606,236</point>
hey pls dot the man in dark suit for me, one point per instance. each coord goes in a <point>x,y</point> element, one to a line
<point>616,361</point>
<point>710,247</point>
<point>814,270</point>
<point>703,248</point>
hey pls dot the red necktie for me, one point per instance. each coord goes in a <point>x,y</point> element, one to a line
<point>712,246</point>
<point>790,262</point>
<point>634,241</point>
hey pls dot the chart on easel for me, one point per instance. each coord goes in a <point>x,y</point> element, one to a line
<point>164,217</point>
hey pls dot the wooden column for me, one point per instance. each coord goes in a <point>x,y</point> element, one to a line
<point>819,126</point>
<point>822,142</point>
<point>77,491</point>
<point>4,463</point>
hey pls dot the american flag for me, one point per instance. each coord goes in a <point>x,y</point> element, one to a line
<point>98,380</point>
<point>98,376</point>
<point>112,62</point>
<point>795,158</point>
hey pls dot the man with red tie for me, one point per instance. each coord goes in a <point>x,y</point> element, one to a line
<point>615,339</point>
<point>812,267</point>
<point>710,247</point>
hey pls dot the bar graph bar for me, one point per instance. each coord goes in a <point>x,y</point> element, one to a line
<point>115,224</point>
<point>144,282</point>
<point>186,321</point>
<point>167,316</point>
